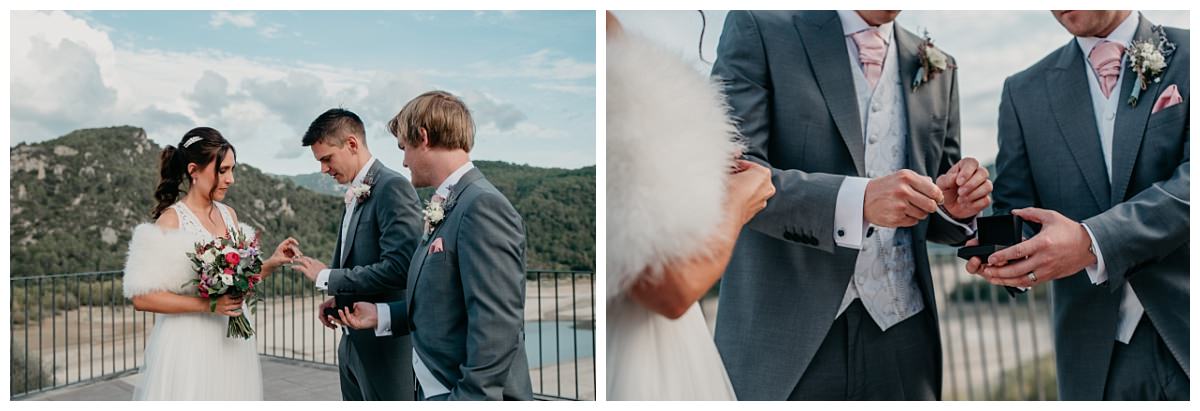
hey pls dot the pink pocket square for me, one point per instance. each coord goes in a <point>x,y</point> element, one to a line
<point>1168,98</point>
<point>436,246</point>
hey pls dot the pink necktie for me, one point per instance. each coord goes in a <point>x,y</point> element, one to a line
<point>871,51</point>
<point>1106,60</point>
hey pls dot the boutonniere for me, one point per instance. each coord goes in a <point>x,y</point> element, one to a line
<point>933,61</point>
<point>1148,59</point>
<point>359,191</point>
<point>435,212</point>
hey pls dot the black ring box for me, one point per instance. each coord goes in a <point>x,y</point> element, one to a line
<point>995,233</point>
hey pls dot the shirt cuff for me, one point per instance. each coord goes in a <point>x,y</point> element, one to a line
<point>384,327</point>
<point>969,227</point>
<point>323,280</point>
<point>1096,272</point>
<point>849,223</point>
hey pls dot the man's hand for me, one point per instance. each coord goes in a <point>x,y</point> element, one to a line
<point>1060,250</point>
<point>901,199</point>
<point>966,188</point>
<point>326,320</point>
<point>364,317</point>
<point>309,266</point>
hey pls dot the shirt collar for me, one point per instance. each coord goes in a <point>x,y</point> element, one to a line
<point>362,174</point>
<point>444,189</point>
<point>1122,35</point>
<point>853,23</point>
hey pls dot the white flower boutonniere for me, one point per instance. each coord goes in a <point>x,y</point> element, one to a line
<point>434,213</point>
<point>1148,59</point>
<point>933,61</point>
<point>359,192</point>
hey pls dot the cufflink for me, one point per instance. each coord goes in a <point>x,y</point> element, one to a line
<point>841,232</point>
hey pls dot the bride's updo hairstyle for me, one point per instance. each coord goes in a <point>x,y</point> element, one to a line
<point>200,145</point>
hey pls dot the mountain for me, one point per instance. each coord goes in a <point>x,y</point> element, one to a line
<point>319,182</point>
<point>75,200</point>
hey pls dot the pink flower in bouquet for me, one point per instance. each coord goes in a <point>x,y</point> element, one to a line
<point>232,258</point>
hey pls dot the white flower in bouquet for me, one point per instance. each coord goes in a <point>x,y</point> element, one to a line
<point>209,256</point>
<point>227,279</point>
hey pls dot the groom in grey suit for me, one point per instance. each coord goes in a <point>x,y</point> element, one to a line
<point>379,229</point>
<point>466,284</point>
<point>1109,179</point>
<point>829,295</point>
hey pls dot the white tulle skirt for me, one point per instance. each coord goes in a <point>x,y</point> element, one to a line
<point>651,357</point>
<point>188,357</point>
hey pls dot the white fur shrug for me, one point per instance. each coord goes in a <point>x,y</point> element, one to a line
<point>158,261</point>
<point>669,149</point>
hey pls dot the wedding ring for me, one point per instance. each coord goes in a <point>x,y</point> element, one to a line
<point>1032,278</point>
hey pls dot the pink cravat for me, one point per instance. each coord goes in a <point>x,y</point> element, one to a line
<point>871,51</point>
<point>1106,60</point>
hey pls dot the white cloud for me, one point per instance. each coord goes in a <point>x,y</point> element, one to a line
<point>239,20</point>
<point>487,110</point>
<point>66,74</point>
<point>58,74</point>
<point>543,64</point>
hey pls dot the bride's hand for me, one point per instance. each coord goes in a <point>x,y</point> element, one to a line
<point>228,305</point>
<point>749,189</point>
<point>285,253</point>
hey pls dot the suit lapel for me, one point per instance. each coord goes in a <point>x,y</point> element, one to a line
<point>369,179</point>
<point>423,249</point>
<point>337,247</point>
<point>1070,100</point>
<point>917,103</point>
<point>823,42</point>
<point>1130,125</point>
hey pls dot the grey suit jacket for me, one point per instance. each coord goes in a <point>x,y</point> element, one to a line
<point>466,303</point>
<point>789,83</point>
<point>383,232</point>
<point>1050,157</point>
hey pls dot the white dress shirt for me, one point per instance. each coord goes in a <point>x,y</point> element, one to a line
<point>1105,110</point>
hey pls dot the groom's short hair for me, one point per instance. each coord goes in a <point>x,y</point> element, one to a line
<point>445,118</point>
<point>332,126</point>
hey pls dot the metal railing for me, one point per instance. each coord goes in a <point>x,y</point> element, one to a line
<point>994,347</point>
<point>70,329</point>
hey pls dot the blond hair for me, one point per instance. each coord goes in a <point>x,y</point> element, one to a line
<point>445,118</point>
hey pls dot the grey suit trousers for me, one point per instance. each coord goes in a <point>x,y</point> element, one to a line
<point>858,361</point>
<point>389,378</point>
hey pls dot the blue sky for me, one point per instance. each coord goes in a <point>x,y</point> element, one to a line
<point>261,76</point>
<point>987,45</point>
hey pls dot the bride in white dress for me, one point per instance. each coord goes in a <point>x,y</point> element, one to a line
<point>188,356</point>
<point>677,200</point>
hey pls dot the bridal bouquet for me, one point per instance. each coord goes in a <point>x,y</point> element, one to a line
<point>228,266</point>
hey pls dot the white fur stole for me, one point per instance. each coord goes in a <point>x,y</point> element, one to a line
<point>158,261</point>
<point>670,146</point>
